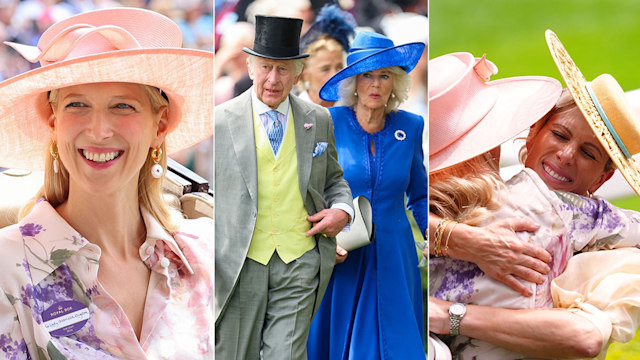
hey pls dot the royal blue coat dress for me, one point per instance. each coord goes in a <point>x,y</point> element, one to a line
<point>372,308</point>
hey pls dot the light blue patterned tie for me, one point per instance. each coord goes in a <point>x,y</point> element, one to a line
<point>274,130</point>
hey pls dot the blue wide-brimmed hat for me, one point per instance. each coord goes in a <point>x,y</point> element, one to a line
<point>371,51</point>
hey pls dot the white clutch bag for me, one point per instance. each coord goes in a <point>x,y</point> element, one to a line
<point>437,349</point>
<point>361,232</point>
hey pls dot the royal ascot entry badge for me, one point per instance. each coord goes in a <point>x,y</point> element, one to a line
<point>65,317</point>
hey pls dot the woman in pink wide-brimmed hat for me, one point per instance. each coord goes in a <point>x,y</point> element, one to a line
<point>469,191</point>
<point>99,266</point>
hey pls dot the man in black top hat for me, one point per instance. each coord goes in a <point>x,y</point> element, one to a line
<point>280,200</point>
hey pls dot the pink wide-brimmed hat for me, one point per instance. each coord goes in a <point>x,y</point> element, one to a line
<point>470,115</point>
<point>109,45</point>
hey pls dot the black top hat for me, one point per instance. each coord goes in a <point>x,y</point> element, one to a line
<point>277,38</point>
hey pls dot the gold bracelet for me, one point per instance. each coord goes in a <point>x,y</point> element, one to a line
<point>444,228</point>
<point>446,243</point>
<point>436,246</point>
<point>438,236</point>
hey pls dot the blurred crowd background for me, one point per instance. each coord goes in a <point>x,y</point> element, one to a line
<point>24,21</point>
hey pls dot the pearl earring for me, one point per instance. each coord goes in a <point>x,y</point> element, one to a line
<point>53,150</point>
<point>156,169</point>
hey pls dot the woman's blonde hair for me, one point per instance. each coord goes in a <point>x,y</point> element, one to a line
<point>465,192</point>
<point>564,104</point>
<point>399,93</point>
<point>56,186</point>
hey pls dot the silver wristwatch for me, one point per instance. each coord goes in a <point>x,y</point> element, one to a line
<point>456,312</point>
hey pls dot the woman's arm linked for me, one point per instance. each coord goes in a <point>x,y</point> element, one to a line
<point>553,333</point>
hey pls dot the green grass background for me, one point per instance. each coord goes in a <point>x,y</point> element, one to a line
<point>602,36</point>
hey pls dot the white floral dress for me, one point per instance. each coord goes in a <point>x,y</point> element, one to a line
<point>53,307</point>
<point>568,223</point>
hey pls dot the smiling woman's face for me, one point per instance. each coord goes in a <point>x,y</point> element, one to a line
<point>566,154</point>
<point>104,132</point>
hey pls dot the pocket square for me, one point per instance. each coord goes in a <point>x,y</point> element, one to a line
<point>320,148</point>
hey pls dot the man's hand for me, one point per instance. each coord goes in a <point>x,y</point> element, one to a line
<point>328,222</point>
<point>341,254</point>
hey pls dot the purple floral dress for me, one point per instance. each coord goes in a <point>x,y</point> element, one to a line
<point>55,308</point>
<point>568,223</point>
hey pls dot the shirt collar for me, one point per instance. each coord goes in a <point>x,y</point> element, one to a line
<point>49,240</point>
<point>262,108</point>
<point>156,232</point>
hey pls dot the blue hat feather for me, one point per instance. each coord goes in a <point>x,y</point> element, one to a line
<point>333,21</point>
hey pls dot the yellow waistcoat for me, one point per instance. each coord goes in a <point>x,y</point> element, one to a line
<point>281,223</point>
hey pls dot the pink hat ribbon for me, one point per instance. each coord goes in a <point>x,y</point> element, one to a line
<point>485,68</point>
<point>77,41</point>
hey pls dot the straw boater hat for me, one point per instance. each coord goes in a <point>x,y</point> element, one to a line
<point>470,115</point>
<point>605,107</point>
<point>371,51</point>
<point>108,45</point>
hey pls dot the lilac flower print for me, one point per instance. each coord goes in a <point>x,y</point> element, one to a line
<point>25,265</point>
<point>87,335</point>
<point>26,294</point>
<point>31,229</point>
<point>589,213</point>
<point>600,212</point>
<point>56,287</point>
<point>596,220</point>
<point>458,278</point>
<point>76,240</point>
<point>92,291</point>
<point>4,341</point>
<point>13,349</point>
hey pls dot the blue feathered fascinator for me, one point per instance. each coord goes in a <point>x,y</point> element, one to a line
<point>333,21</point>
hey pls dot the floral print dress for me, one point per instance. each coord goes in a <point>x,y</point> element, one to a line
<point>52,305</point>
<point>568,223</point>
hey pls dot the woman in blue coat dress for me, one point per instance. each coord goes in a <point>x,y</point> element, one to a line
<point>372,308</point>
